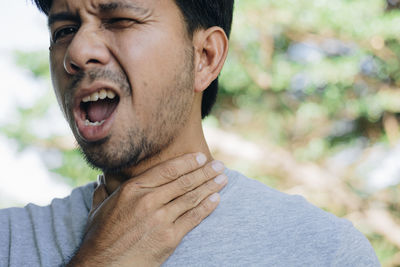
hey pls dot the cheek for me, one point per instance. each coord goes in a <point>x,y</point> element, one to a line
<point>58,77</point>
<point>151,55</point>
<point>56,67</point>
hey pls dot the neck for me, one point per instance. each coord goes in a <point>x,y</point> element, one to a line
<point>191,140</point>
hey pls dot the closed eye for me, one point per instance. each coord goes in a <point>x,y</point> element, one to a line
<point>120,23</point>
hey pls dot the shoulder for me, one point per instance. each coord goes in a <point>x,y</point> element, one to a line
<point>79,199</point>
<point>301,226</point>
<point>257,225</point>
<point>44,234</point>
<point>248,195</point>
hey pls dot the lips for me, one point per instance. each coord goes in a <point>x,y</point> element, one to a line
<point>94,112</point>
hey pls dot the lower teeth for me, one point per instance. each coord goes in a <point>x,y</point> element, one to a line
<point>97,123</point>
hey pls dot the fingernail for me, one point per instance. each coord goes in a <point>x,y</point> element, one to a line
<point>218,166</point>
<point>201,158</point>
<point>214,197</point>
<point>220,179</point>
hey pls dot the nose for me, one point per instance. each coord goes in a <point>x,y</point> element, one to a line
<point>86,50</point>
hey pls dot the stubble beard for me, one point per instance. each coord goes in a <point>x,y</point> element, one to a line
<point>139,144</point>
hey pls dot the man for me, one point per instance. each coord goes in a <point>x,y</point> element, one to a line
<point>134,79</point>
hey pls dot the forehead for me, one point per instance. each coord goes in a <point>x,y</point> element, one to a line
<point>95,6</point>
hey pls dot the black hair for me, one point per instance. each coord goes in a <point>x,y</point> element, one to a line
<point>198,14</point>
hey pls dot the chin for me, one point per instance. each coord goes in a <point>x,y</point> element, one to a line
<point>117,158</point>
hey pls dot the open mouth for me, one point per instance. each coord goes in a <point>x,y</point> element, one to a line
<point>94,115</point>
<point>98,107</point>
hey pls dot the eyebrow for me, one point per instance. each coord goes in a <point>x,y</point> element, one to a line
<point>113,6</point>
<point>103,8</point>
<point>62,16</point>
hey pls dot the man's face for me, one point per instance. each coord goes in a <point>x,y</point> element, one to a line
<point>122,71</point>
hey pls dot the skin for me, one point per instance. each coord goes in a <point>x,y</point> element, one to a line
<point>159,75</point>
<point>145,219</point>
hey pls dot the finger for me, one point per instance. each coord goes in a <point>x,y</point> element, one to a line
<point>170,170</point>
<point>195,216</point>
<point>188,182</point>
<point>192,199</point>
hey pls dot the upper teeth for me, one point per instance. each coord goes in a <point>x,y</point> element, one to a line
<point>102,94</point>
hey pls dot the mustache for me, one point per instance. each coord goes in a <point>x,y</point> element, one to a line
<point>116,77</point>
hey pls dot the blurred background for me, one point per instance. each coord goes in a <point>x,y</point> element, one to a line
<point>309,104</point>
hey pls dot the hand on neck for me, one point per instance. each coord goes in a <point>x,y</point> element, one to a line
<point>192,141</point>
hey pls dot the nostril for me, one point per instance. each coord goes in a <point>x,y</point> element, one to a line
<point>93,61</point>
<point>74,67</point>
<point>71,67</point>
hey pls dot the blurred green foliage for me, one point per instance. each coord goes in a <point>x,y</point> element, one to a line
<point>37,62</point>
<point>73,166</point>
<point>314,73</point>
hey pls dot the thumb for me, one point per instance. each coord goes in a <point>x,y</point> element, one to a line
<point>100,193</point>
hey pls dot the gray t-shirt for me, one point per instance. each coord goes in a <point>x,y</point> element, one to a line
<point>254,225</point>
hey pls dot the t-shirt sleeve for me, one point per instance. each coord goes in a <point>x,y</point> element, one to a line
<point>354,249</point>
<point>4,238</point>
<point>44,236</point>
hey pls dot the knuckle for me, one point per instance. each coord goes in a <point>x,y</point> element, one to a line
<point>130,191</point>
<point>124,193</point>
<point>207,172</point>
<point>195,215</point>
<point>145,204</point>
<point>192,199</point>
<point>129,187</point>
<point>169,171</point>
<point>211,186</point>
<point>160,216</point>
<point>186,182</point>
<point>205,205</point>
<point>124,189</point>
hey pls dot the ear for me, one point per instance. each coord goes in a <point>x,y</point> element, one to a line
<point>211,50</point>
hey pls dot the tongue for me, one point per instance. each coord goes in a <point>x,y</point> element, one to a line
<point>100,110</point>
